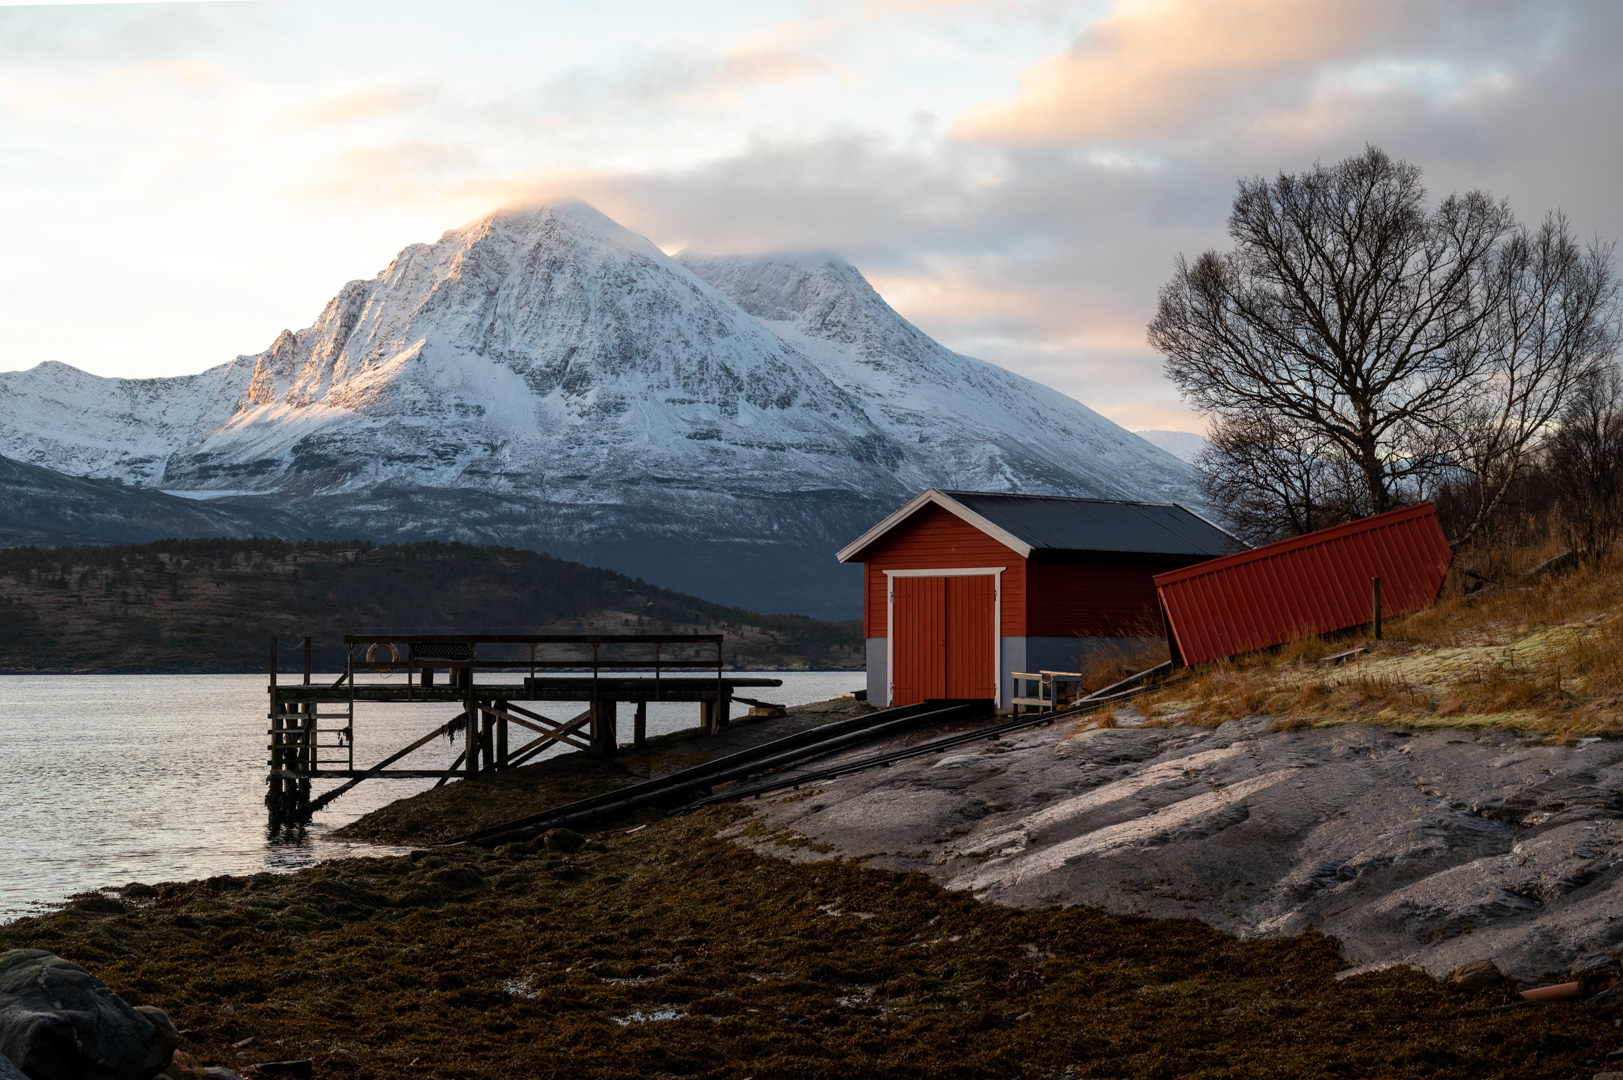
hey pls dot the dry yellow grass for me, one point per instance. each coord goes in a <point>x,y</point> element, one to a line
<point>1109,660</point>
<point>1540,655</point>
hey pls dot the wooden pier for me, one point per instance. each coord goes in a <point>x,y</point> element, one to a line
<point>498,682</point>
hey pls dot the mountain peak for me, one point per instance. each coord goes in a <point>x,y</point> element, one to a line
<point>543,376</point>
<point>554,219</point>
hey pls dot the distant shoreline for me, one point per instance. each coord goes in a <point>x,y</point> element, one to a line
<point>194,607</point>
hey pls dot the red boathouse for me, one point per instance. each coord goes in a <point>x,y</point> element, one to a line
<point>960,588</point>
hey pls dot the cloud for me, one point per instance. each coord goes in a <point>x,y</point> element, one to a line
<point>210,189</point>
<point>1156,69</point>
<point>365,104</point>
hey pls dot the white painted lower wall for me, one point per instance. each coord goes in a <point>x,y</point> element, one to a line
<point>878,673</point>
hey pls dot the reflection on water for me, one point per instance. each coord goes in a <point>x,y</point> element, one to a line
<point>287,834</point>
<point>108,779</point>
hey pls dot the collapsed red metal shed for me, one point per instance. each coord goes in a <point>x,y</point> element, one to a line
<point>1307,585</point>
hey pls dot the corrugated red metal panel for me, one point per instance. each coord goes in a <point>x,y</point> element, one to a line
<point>1306,585</point>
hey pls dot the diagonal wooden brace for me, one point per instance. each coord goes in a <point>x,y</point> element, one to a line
<point>317,804</point>
<point>560,734</point>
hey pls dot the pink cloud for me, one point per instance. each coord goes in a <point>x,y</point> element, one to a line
<point>1162,67</point>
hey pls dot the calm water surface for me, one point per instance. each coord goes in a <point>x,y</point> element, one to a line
<point>108,779</point>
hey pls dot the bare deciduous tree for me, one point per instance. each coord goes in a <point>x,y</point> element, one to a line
<point>1549,333</point>
<point>1275,479</point>
<point>1422,344</point>
<point>1584,463</point>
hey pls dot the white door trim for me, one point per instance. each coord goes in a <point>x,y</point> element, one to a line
<point>963,571</point>
<point>995,572</point>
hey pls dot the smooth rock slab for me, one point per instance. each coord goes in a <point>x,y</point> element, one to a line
<point>60,1022</point>
<point>1437,849</point>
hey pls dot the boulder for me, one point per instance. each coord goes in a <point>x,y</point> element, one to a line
<point>564,840</point>
<point>60,1022</point>
<point>1596,971</point>
<point>8,1071</point>
<point>1477,975</point>
<point>163,1047</point>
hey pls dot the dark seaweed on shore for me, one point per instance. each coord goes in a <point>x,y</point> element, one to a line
<point>666,951</point>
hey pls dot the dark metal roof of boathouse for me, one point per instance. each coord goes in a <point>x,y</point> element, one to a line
<point>1029,523</point>
<point>1058,524</point>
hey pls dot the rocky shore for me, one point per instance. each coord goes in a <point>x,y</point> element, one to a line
<point>1432,848</point>
<point>661,947</point>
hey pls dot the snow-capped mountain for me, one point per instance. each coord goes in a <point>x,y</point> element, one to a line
<point>61,418</point>
<point>545,378</point>
<point>964,423</point>
<point>1183,445</point>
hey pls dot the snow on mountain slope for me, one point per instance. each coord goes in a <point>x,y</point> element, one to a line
<point>546,378</point>
<point>61,418</point>
<point>1184,445</point>
<point>973,425</point>
<point>542,350</point>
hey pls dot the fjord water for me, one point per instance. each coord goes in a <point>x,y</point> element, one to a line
<point>109,779</point>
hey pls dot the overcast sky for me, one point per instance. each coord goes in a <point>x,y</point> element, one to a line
<point>181,181</point>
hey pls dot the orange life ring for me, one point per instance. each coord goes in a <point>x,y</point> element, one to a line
<point>371,656</point>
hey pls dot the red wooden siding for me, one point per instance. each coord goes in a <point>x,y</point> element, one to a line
<point>920,646</point>
<point>1093,597</point>
<point>944,638</point>
<point>1311,584</point>
<point>933,539</point>
<point>971,623</point>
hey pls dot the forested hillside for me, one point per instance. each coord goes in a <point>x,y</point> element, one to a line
<point>212,605</point>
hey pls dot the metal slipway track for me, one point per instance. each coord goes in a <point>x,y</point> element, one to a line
<point>1091,703</point>
<point>678,787</point>
<point>676,790</point>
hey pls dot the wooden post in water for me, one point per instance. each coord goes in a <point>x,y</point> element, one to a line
<point>723,706</point>
<point>470,760</point>
<point>501,736</point>
<point>639,725</point>
<point>307,756</point>
<point>274,797</point>
<point>604,738</point>
<point>310,756</point>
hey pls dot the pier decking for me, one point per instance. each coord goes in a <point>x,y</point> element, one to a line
<point>487,676</point>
